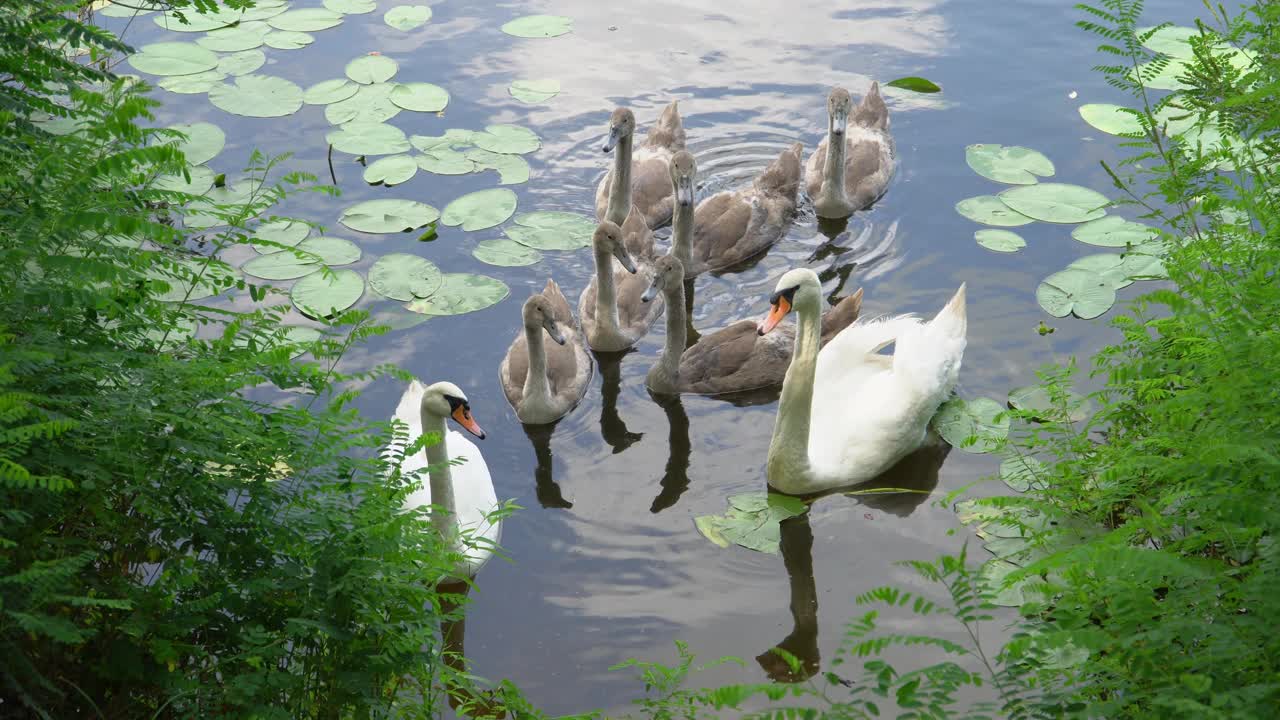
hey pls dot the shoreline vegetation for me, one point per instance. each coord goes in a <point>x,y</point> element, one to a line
<point>173,545</point>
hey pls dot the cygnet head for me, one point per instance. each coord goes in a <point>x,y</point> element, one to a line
<point>608,238</point>
<point>839,105</point>
<point>444,399</point>
<point>538,314</point>
<point>684,171</point>
<point>621,124</point>
<point>667,272</point>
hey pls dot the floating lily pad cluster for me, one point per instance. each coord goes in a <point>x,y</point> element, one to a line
<point>752,521</point>
<point>287,253</point>
<point>975,426</point>
<point>459,152</point>
<point>368,95</point>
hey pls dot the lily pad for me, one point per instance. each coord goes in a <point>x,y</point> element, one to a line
<point>327,294</point>
<point>552,230</point>
<point>1021,473</point>
<point>306,20</point>
<point>246,36</point>
<point>173,58</point>
<point>370,104</point>
<point>539,26</point>
<point>128,9</point>
<point>506,253</point>
<point>221,201</point>
<point>281,266</point>
<point>1056,202</point>
<point>915,84</point>
<point>988,210</point>
<point>191,21</point>
<point>1162,74</point>
<point>1112,231</point>
<point>258,96</point>
<point>1112,119</point>
<point>287,40</point>
<point>405,277</point>
<point>241,63</point>
<point>511,139</point>
<point>1034,398</point>
<point>201,82</point>
<point>407,17</point>
<point>330,91</point>
<point>1108,266</point>
<point>420,97</point>
<point>752,521</point>
<point>461,293</point>
<point>480,210</point>
<point>331,250</point>
<point>370,69</point>
<point>534,91</point>
<point>204,141</point>
<point>1003,241</point>
<point>443,161</point>
<point>1171,40</point>
<point>191,279</point>
<point>281,232</point>
<point>959,419</point>
<point>388,216</point>
<point>512,169</point>
<point>1013,164</point>
<point>1083,292</point>
<point>201,181</point>
<point>994,575</point>
<point>351,7</point>
<point>391,170</point>
<point>368,138</point>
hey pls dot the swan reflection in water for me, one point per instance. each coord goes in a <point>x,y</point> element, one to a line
<point>612,427</point>
<point>675,476</point>
<point>917,473</point>
<point>464,698</point>
<point>546,488</point>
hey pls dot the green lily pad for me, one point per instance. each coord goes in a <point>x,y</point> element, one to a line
<point>1171,40</point>
<point>915,84</point>
<point>297,336</point>
<point>1034,398</point>
<point>988,210</point>
<point>420,97</point>
<point>191,279</point>
<point>371,69</point>
<point>1056,202</point>
<point>752,521</point>
<point>1107,266</point>
<point>539,26</point>
<point>204,141</point>
<point>173,58</point>
<point>994,575</point>
<point>351,7</point>
<point>1013,164</point>
<point>506,253</point>
<point>241,63</point>
<point>391,170</point>
<point>1162,74</point>
<point>196,22</point>
<point>552,230</point>
<point>330,91</point>
<point>368,138</point>
<point>306,20</point>
<point>201,181</point>
<point>405,277</point>
<point>245,36</point>
<point>461,293</point>
<point>407,17</point>
<point>1112,119</point>
<point>129,9</point>
<point>370,104</point>
<point>207,212</point>
<point>331,250</point>
<point>1083,292</point>
<point>1021,472</point>
<point>534,91</point>
<point>512,169</point>
<point>281,266</point>
<point>287,40</point>
<point>958,420</point>
<point>388,216</point>
<point>258,96</point>
<point>281,232</point>
<point>510,139</point>
<point>443,161</point>
<point>1112,231</point>
<point>327,294</point>
<point>480,210</point>
<point>1004,241</point>
<point>201,82</point>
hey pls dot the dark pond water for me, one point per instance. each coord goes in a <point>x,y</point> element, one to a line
<point>607,564</point>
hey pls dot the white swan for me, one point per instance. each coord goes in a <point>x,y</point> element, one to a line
<point>464,490</point>
<point>871,409</point>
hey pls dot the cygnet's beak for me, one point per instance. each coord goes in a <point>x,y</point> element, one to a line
<point>684,192</point>
<point>612,140</point>
<point>651,291</point>
<point>554,332</point>
<point>625,259</point>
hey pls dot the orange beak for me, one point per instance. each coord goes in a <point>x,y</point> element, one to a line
<point>462,416</point>
<point>777,311</point>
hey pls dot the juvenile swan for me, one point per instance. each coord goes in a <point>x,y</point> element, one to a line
<point>613,315</point>
<point>543,384</point>
<point>734,358</point>
<point>848,413</point>
<point>463,491</point>
<point>853,164</point>
<point>641,179</point>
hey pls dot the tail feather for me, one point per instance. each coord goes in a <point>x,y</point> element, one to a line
<point>668,132</point>
<point>871,111</point>
<point>559,303</point>
<point>844,314</point>
<point>783,174</point>
<point>931,355</point>
<point>871,336</point>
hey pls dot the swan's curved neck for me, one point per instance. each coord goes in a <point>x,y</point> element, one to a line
<point>537,389</point>
<point>665,375</point>
<point>606,295</point>
<point>620,188</point>
<point>833,189</point>
<point>789,448</point>
<point>441,477</point>
<point>682,234</point>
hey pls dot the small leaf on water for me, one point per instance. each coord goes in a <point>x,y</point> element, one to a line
<point>462,293</point>
<point>204,141</point>
<point>407,17</point>
<point>511,139</point>
<point>371,69</point>
<point>330,91</point>
<point>391,170</point>
<point>1112,231</point>
<point>281,266</point>
<point>1111,119</point>
<point>430,234</point>
<point>1034,398</point>
<point>287,40</point>
<point>914,84</point>
<point>405,277</point>
<point>241,63</point>
<point>1013,164</point>
<point>322,295</point>
<point>420,97</point>
<point>752,521</point>
<point>281,232</point>
<point>480,210</point>
<point>959,419</point>
<point>370,104</point>
<point>1003,241</point>
<point>1056,202</point>
<point>220,180</point>
<point>539,26</point>
<point>331,250</point>
<point>988,210</point>
<point>552,230</point>
<point>258,96</point>
<point>368,138</point>
<point>506,253</point>
<point>1083,292</point>
<point>388,216</point>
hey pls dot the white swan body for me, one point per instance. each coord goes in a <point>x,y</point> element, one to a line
<point>465,489</point>
<point>870,410</point>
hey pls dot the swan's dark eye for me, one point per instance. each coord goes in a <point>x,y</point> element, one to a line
<point>456,402</point>
<point>789,294</point>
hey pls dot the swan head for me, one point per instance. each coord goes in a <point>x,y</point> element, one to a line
<point>839,105</point>
<point>667,272</point>
<point>684,169</point>
<point>608,239</point>
<point>795,287</point>
<point>444,399</point>
<point>621,124</point>
<point>538,314</point>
